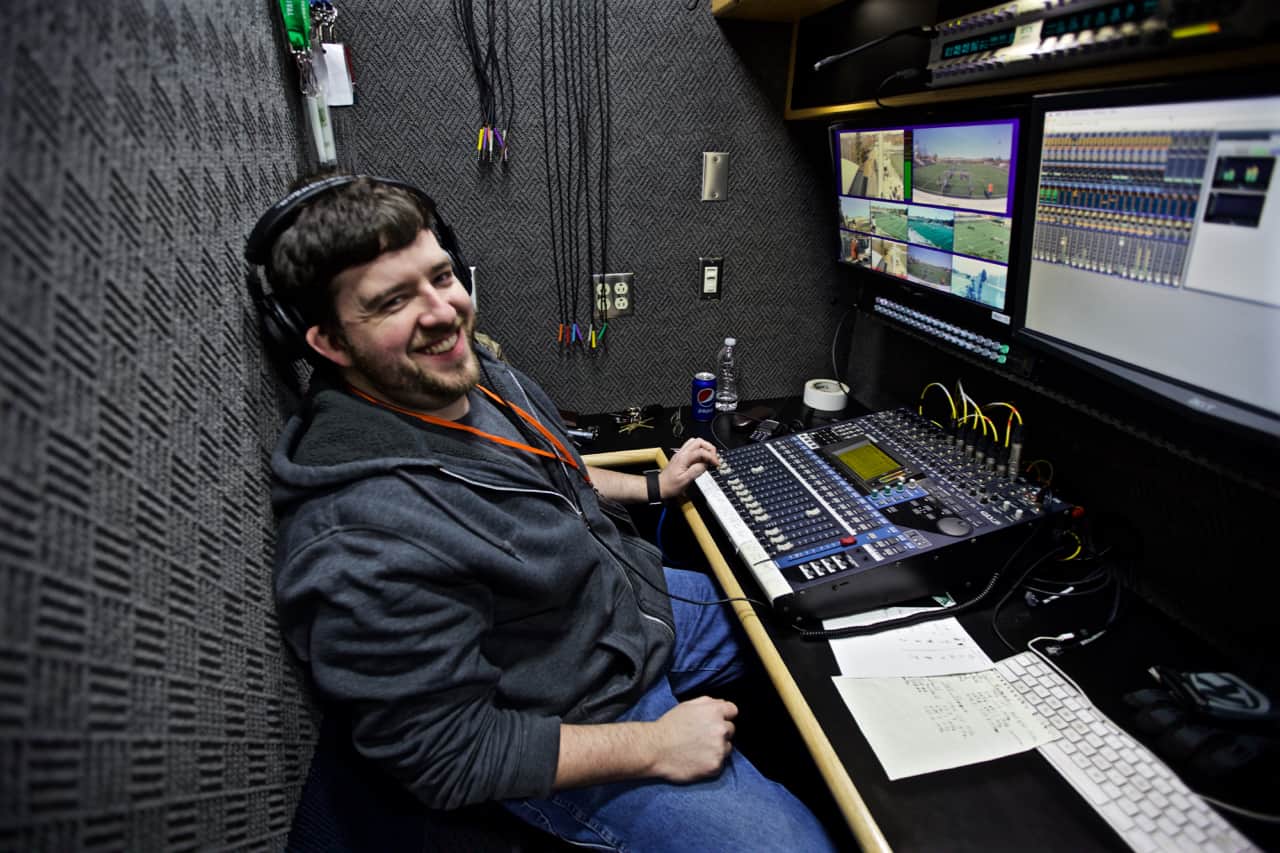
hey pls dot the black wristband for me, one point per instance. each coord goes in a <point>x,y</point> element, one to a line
<point>655,487</point>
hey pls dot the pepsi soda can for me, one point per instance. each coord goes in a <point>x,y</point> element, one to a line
<point>704,396</point>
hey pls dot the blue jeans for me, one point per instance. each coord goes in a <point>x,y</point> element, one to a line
<point>737,810</point>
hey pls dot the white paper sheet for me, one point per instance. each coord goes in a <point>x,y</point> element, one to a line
<point>940,647</point>
<point>920,725</point>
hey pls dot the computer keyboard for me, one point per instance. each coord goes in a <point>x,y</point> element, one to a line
<point>1133,790</point>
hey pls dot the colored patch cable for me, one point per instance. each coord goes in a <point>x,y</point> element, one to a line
<point>487,139</point>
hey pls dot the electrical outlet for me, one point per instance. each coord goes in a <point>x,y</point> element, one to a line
<point>614,294</point>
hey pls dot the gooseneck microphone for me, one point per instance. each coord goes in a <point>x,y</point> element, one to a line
<point>922,31</point>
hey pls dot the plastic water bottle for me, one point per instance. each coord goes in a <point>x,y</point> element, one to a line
<point>727,378</point>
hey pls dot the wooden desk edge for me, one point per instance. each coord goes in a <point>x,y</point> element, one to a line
<point>846,795</point>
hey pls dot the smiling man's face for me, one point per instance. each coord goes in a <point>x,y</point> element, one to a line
<point>406,324</point>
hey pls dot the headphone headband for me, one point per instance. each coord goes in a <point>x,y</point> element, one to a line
<point>281,215</point>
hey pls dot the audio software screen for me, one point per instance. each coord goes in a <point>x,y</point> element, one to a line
<point>930,204</point>
<point>1156,243</point>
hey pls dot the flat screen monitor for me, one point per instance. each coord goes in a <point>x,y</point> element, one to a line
<point>930,205</point>
<point>1154,248</point>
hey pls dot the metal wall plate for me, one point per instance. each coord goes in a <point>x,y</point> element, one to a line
<point>615,294</point>
<point>715,175</point>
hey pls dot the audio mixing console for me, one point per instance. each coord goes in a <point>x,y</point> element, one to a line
<point>865,512</point>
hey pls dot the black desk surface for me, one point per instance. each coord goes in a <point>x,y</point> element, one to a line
<point>1014,803</point>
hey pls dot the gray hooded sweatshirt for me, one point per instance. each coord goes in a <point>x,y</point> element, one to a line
<point>453,603</point>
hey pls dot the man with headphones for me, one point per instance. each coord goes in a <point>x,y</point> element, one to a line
<point>449,570</point>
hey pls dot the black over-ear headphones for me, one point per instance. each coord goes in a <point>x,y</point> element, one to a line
<point>282,323</point>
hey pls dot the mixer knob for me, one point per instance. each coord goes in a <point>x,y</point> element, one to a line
<point>1017,513</point>
<point>757,469</point>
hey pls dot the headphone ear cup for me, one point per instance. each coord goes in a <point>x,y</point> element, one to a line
<point>461,271</point>
<point>284,328</point>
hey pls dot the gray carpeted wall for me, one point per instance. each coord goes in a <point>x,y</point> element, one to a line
<point>682,82</point>
<point>145,700</point>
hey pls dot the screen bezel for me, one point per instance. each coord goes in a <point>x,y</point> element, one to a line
<point>945,306</point>
<point>1203,405</point>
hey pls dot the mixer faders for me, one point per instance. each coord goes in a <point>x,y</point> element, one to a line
<point>852,516</point>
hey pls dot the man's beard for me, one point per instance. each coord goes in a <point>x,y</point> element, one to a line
<point>412,385</point>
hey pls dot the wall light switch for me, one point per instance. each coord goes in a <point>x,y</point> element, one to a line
<point>715,175</point>
<point>712,277</point>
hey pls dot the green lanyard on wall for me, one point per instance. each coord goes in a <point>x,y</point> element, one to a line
<point>297,25</point>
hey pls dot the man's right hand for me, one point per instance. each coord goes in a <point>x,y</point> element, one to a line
<point>689,742</point>
<point>694,739</point>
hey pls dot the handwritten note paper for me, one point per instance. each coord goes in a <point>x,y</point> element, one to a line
<point>940,647</point>
<point>919,725</point>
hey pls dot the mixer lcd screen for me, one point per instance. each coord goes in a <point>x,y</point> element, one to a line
<point>868,462</point>
<point>930,204</point>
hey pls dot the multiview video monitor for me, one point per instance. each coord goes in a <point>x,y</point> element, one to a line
<point>930,205</point>
<point>1153,256</point>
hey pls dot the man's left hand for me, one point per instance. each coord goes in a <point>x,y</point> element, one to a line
<point>693,458</point>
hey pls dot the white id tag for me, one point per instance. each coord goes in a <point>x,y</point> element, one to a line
<point>339,88</point>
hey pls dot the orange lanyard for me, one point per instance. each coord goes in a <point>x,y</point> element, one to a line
<point>561,454</point>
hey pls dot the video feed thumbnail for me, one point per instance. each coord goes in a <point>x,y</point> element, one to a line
<point>871,164</point>
<point>983,235</point>
<point>855,248</point>
<point>889,257</point>
<point>889,220</point>
<point>930,267</point>
<point>856,213</point>
<point>979,281</point>
<point>931,226</point>
<point>964,166</point>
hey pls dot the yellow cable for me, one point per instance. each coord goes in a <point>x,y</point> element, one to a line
<point>1076,552</point>
<point>1038,462</point>
<point>950,401</point>
<point>1008,427</point>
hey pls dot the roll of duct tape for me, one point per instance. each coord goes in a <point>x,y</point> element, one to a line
<point>826,395</point>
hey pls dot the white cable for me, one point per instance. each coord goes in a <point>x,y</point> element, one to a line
<point>1268,818</point>
<point>1262,816</point>
<point>1056,668</point>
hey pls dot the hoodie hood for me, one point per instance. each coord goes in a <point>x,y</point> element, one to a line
<point>337,438</point>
